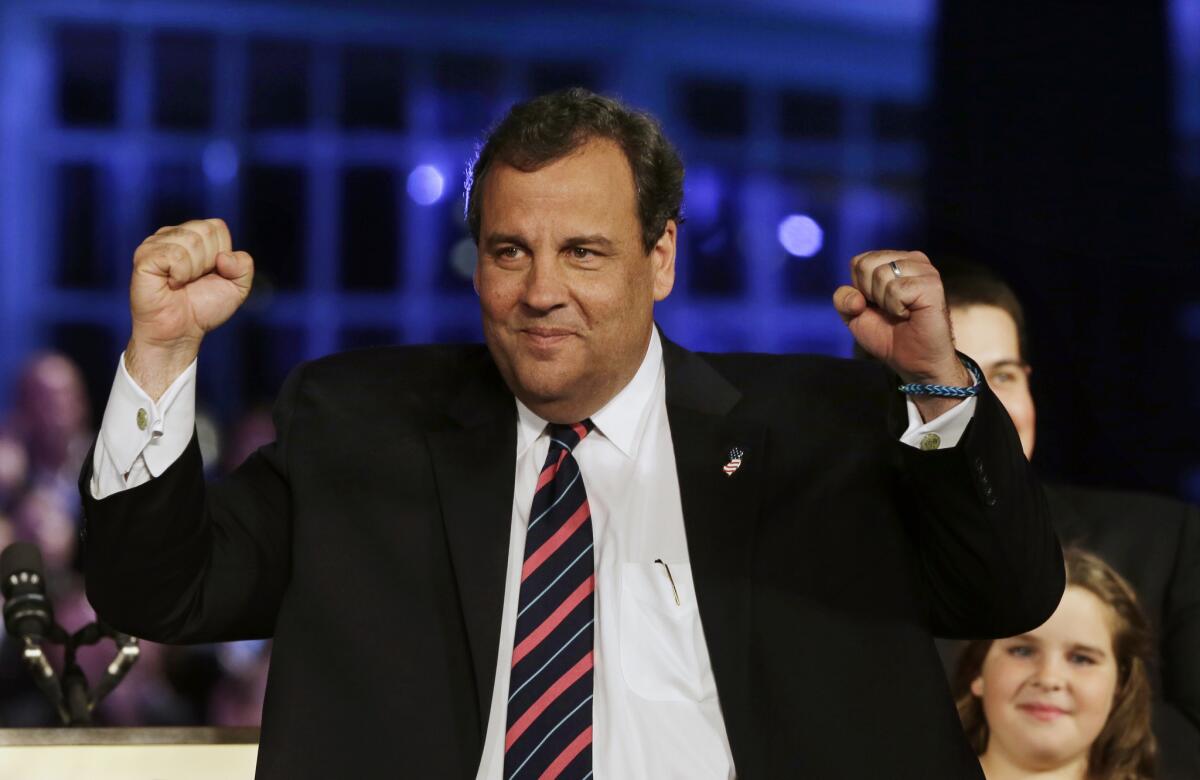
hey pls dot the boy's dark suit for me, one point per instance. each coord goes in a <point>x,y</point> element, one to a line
<point>371,541</point>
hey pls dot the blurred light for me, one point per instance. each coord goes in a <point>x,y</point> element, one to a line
<point>800,235</point>
<point>702,196</point>
<point>220,162</point>
<point>426,185</point>
<point>463,257</point>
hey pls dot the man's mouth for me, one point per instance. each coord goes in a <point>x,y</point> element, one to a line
<point>546,338</point>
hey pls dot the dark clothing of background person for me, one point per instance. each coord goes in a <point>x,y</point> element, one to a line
<point>371,541</point>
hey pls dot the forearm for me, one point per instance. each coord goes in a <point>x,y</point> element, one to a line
<point>179,560</point>
<point>146,550</point>
<point>992,563</point>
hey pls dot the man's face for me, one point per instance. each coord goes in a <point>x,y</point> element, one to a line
<point>566,289</point>
<point>989,336</point>
<point>1047,694</point>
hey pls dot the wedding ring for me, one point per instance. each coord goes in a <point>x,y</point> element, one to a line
<point>895,268</point>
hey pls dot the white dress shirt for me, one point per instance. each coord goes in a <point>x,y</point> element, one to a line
<point>655,712</point>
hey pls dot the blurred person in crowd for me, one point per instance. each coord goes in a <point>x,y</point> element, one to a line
<point>8,535</point>
<point>238,697</point>
<point>14,469</point>
<point>578,547</point>
<point>44,517</point>
<point>1069,700</point>
<point>1153,541</point>
<point>53,420</point>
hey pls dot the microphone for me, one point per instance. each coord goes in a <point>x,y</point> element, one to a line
<point>28,616</point>
<point>27,611</point>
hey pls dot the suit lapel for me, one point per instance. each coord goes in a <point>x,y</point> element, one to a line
<point>474,462</point>
<point>720,513</point>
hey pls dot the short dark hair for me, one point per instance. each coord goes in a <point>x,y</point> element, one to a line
<point>968,283</point>
<point>547,128</point>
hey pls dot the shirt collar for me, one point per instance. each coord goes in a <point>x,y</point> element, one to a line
<point>619,420</point>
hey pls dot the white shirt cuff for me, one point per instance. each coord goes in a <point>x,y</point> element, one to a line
<point>140,438</point>
<point>941,432</point>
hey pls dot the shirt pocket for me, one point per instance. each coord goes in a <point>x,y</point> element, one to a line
<point>663,656</point>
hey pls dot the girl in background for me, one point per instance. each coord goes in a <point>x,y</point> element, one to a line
<point>1069,700</point>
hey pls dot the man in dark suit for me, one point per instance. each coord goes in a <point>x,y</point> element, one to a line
<point>580,550</point>
<point>1152,541</point>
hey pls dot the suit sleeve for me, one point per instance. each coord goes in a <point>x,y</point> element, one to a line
<point>178,560</point>
<point>986,546</point>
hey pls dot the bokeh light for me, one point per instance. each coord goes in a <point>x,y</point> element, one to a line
<point>800,235</point>
<point>426,184</point>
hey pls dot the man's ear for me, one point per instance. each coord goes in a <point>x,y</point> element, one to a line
<point>662,259</point>
<point>977,687</point>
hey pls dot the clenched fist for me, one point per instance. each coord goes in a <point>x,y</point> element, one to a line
<point>896,308</point>
<point>187,280</point>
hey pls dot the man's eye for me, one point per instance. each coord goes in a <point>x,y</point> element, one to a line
<point>508,252</point>
<point>581,253</point>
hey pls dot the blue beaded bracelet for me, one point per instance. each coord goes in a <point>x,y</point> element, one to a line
<point>946,391</point>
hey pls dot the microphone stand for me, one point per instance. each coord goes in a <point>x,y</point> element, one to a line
<point>39,666</point>
<point>72,698</point>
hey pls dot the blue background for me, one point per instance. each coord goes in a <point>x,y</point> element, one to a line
<point>302,124</point>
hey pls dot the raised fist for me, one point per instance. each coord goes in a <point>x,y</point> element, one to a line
<point>187,280</point>
<point>895,307</point>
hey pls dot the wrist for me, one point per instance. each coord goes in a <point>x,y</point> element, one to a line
<point>953,374</point>
<point>155,366</point>
<point>933,399</point>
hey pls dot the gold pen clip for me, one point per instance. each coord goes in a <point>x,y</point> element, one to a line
<point>672,579</point>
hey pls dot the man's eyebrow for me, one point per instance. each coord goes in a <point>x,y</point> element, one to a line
<point>495,239</point>
<point>593,240</point>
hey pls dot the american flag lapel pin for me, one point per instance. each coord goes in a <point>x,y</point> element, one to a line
<point>735,461</point>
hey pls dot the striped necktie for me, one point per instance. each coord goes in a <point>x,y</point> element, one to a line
<point>550,684</point>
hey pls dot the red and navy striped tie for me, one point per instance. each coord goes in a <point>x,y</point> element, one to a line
<point>550,684</point>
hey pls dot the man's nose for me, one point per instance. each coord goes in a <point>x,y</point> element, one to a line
<point>545,287</point>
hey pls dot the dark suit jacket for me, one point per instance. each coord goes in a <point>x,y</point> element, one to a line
<point>371,541</point>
